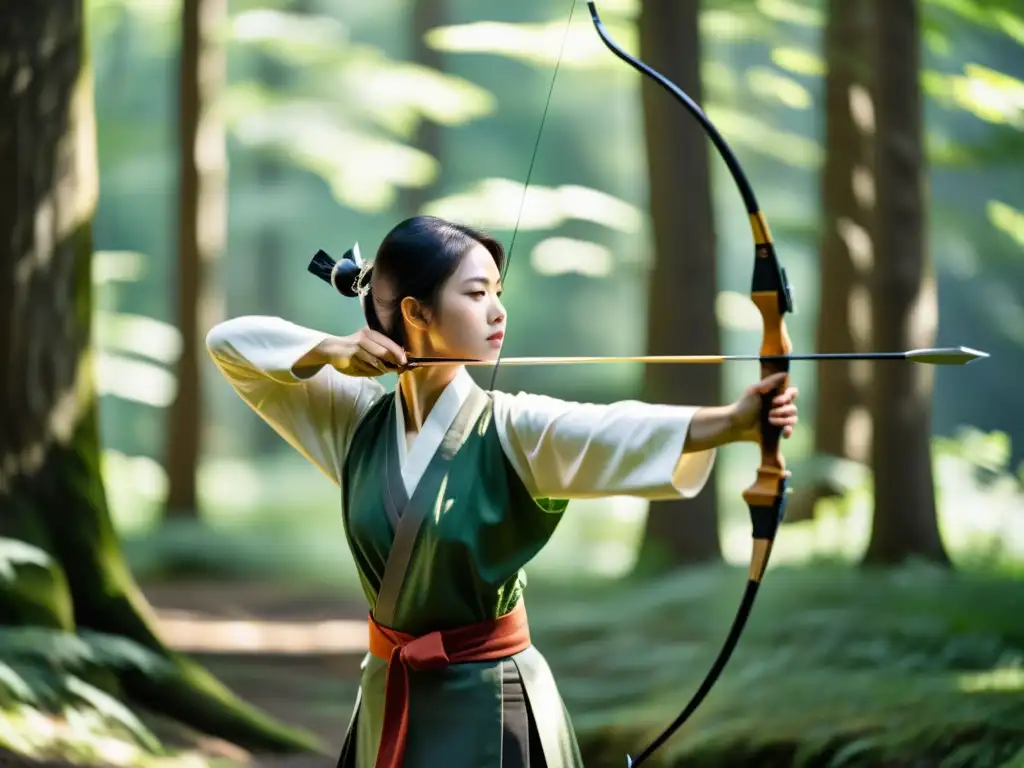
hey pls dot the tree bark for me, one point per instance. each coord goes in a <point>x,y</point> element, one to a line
<point>841,415</point>
<point>202,220</point>
<point>905,311</point>
<point>51,489</point>
<point>683,282</point>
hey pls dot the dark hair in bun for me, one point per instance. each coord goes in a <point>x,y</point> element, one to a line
<point>415,259</point>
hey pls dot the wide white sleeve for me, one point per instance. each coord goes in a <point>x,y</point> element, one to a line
<point>317,413</point>
<point>568,450</point>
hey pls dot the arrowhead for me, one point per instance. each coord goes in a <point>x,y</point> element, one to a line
<point>945,356</point>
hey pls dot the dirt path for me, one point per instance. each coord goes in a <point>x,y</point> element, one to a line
<point>290,652</point>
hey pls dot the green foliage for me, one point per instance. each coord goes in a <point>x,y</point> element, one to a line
<point>838,667</point>
<point>49,676</point>
<point>33,588</point>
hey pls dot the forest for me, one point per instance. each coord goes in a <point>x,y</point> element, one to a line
<point>176,588</point>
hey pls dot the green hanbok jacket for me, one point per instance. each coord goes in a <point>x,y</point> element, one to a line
<point>441,529</point>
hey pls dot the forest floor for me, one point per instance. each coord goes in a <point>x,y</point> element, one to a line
<point>915,666</point>
<point>292,653</point>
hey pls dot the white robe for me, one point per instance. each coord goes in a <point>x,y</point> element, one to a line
<point>560,449</point>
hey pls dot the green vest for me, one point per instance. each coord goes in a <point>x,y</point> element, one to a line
<point>449,556</point>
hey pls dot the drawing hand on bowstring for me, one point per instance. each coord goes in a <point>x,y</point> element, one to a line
<point>366,353</point>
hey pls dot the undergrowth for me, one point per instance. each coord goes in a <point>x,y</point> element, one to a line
<point>838,667</point>
<point>59,698</point>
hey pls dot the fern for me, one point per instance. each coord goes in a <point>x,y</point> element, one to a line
<point>77,652</point>
<point>14,552</point>
<point>62,674</point>
<point>112,710</point>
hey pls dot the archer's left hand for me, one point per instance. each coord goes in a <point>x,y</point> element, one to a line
<point>747,410</point>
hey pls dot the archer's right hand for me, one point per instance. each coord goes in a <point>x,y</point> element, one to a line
<point>365,353</point>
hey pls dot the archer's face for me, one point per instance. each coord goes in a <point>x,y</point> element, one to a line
<point>469,320</point>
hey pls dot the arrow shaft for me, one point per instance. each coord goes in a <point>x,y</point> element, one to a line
<point>658,359</point>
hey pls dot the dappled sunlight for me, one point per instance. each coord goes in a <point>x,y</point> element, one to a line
<point>134,380</point>
<point>736,312</point>
<point>398,95</point>
<point>87,730</point>
<point>859,319</point>
<point>151,11</point>
<point>858,429</point>
<point>137,335</point>
<point>792,12</point>
<point>597,537</point>
<point>494,203</point>
<point>760,137</point>
<point>117,267</point>
<point>1004,679</point>
<point>786,90</point>
<point>563,255</point>
<point>135,486</point>
<point>922,327</point>
<point>229,488</point>
<point>541,44</point>
<point>330,128</point>
<point>722,81</point>
<point>195,633</point>
<point>537,44</point>
<point>1006,219</point>
<point>362,170</point>
<point>992,96</point>
<point>799,61</point>
<point>733,24</point>
<point>304,37</point>
<point>978,513</point>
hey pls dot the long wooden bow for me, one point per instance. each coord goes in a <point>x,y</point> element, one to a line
<point>770,292</point>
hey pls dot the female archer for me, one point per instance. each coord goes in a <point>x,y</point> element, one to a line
<point>448,491</point>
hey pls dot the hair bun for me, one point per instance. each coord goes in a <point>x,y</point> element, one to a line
<point>343,274</point>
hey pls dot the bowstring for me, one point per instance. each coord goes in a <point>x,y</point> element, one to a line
<point>529,174</point>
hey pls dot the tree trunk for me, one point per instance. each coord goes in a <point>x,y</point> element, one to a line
<point>51,490</point>
<point>841,417</point>
<point>683,283</point>
<point>905,307</point>
<point>426,15</point>
<point>202,220</point>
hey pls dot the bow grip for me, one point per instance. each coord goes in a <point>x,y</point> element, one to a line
<point>766,498</point>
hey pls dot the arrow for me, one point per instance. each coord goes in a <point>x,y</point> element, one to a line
<point>939,356</point>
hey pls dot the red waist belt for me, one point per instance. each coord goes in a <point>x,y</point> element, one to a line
<point>485,641</point>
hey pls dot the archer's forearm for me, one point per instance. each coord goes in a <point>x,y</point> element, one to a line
<point>711,427</point>
<point>320,355</point>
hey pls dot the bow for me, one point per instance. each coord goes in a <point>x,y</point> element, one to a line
<point>771,294</point>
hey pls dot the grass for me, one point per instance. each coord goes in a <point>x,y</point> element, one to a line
<point>838,667</point>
